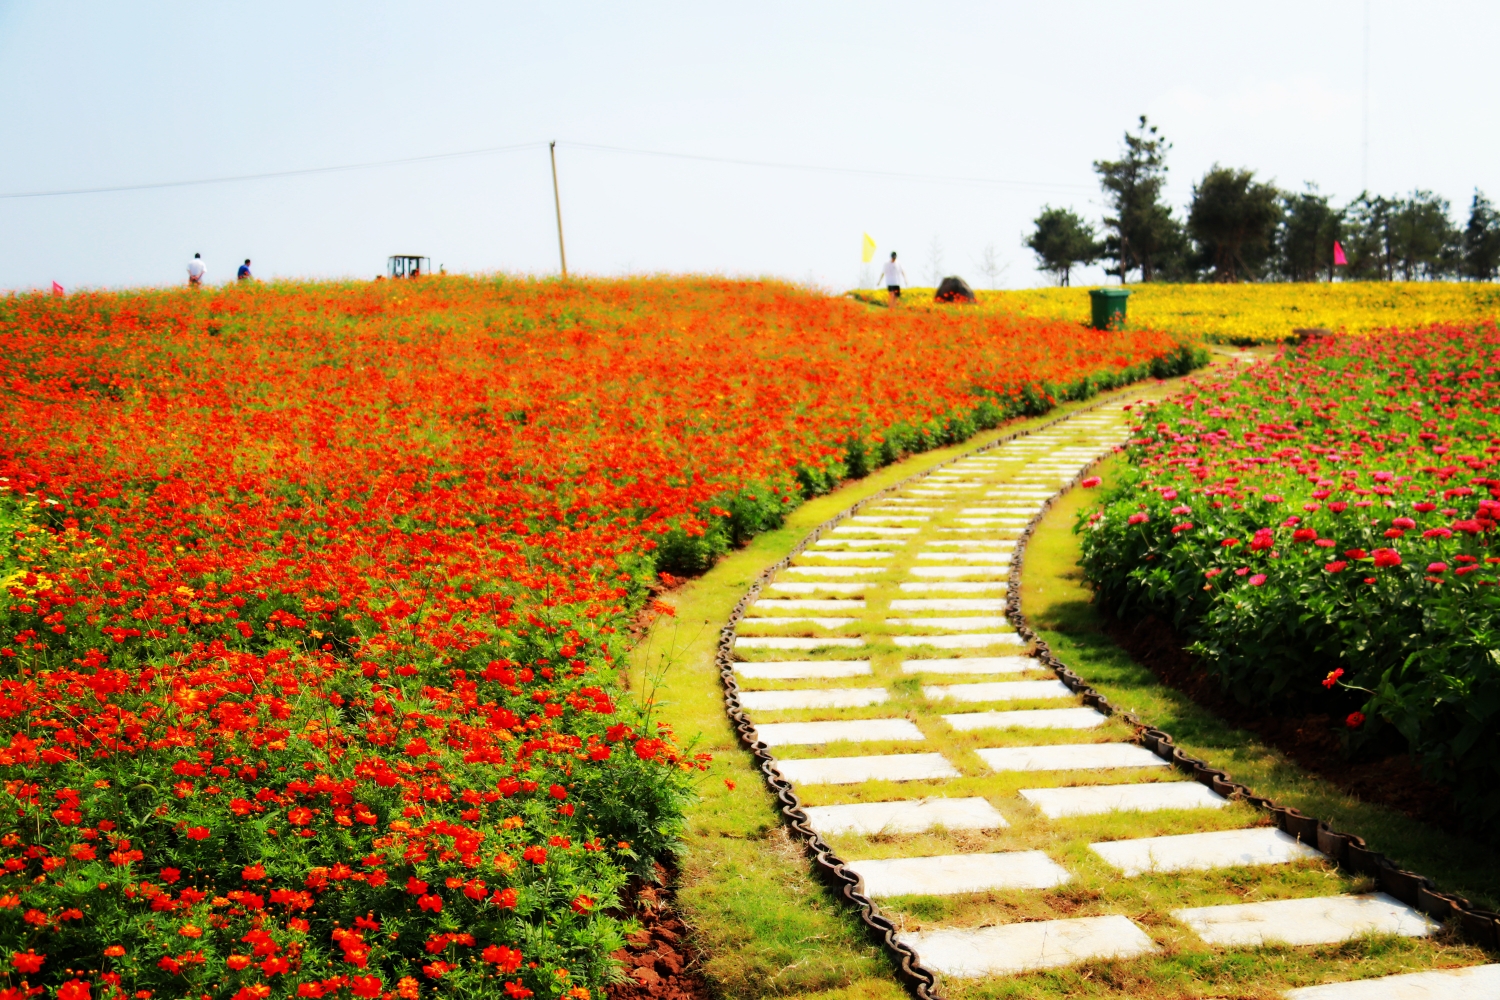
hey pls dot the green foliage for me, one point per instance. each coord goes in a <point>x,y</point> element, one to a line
<point>1141,234</point>
<point>1061,241</point>
<point>1233,220</point>
<point>1309,228</point>
<point>1481,241</point>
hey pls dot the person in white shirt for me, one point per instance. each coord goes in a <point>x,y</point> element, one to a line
<point>894,277</point>
<point>196,270</point>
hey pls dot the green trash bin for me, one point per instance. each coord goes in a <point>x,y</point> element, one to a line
<point>1109,307</point>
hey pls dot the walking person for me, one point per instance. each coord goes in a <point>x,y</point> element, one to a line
<point>196,271</point>
<point>244,272</point>
<point>895,277</point>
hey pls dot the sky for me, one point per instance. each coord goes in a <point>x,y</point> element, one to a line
<point>941,129</point>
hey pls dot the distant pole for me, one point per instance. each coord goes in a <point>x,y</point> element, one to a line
<point>1364,165</point>
<point>557,204</point>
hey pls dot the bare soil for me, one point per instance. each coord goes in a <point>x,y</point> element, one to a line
<point>660,961</point>
<point>1311,740</point>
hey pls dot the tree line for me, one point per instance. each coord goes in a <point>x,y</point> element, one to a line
<point>1240,229</point>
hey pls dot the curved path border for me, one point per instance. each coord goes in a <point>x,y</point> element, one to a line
<point>1347,850</point>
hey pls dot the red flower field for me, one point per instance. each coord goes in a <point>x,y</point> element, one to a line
<point>313,595</point>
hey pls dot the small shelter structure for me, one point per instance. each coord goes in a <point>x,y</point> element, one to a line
<point>405,265</point>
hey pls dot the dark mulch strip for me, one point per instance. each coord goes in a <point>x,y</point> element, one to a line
<point>1311,740</point>
<point>659,959</point>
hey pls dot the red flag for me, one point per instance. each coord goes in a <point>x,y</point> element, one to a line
<point>57,289</point>
<point>1338,255</point>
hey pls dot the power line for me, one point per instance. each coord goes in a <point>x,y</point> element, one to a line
<point>938,178</point>
<point>156,185</point>
<point>490,150</point>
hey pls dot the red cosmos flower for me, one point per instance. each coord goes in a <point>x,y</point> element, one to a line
<point>1139,517</point>
<point>1437,568</point>
<point>1333,677</point>
<point>366,986</point>
<point>1355,720</point>
<point>1257,580</point>
<point>238,962</point>
<point>1386,558</point>
<point>582,903</point>
<point>73,989</point>
<point>1337,566</point>
<point>536,855</point>
<point>1356,554</point>
<point>505,959</point>
<point>416,886</point>
<point>430,902</point>
<point>558,792</point>
<point>516,991</point>
<point>253,873</point>
<point>1304,535</point>
<point>1090,482</point>
<point>27,961</point>
<point>505,898</point>
<point>198,833</point>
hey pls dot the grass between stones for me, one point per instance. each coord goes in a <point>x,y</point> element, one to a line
<point>768,928</point>
<point>766,925</point>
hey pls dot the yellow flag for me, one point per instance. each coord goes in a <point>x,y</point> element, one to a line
<point>867,251</point>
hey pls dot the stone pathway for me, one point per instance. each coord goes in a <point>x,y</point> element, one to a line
<point>1006,827</point>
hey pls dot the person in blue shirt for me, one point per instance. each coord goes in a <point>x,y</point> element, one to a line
<point>244,272</point>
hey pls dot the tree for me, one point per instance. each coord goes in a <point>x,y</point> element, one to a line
<point>1061,241</point>
<point>1369,242</point>
<point>1424,241</point>
<point>990,265</point>
<point>1141,235</point>
<point>1481,241</point>
<point>1304,242</point>
<point>1233,220</point>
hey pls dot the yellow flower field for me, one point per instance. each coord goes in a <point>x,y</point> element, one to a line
<point>1257,313</point>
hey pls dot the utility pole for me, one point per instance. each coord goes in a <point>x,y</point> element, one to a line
<point>557,204</point>
<point>1364,162</point>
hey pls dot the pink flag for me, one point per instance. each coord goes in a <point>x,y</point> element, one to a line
<point>1338,255</point>
<point>57,289</point>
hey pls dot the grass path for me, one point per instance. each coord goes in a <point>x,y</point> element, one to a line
<point>770,929</point>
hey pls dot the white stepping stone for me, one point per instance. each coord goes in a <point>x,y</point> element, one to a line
<point>1262,845</point>
<point>792,587</point>
<point>974,640</point>
<point>862,555</point>
<point>805,604</point>
<point>796,670</point>
<point>931,493</point>
<point>973,623</point>
<point>842,731</point>
<point>974,522</point>
<point>887,518</point>
<point>836,570</point>
<point>966,557</point>
<point>792,642</point>
<point>906,816</point>
<point>1069,757</point>
<point>1319,920</point>
<point>944,604</point>
<point>853,770</point>
<point>773,701</point>
<point>940,572</point>
<point>1091,800</point>
<point>993,511</point>
<point>870,529</point>
<point>978,531</point>
<point>954,588</point>
<point>1042,944</point>
<point>973,544</point>
<point>971,665</point>
<point>955,874</point>
<point>997,691</point>
<point>857,543</point>
<point>1477,982</point>
<point>788,620</point>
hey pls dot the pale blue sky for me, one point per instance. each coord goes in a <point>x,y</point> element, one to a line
<point>105,94</point>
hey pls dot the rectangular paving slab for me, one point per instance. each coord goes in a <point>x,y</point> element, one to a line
<point>906,816</point>
<point>955,587</point>
<point>847,529</point>
<point>971,665</point>
<point>954,572</point>
<point>973,545</point>
<point>944,604</point>
<point>988,555</point>
<point>1034,718</point>
<point>1069,757</point>
<point>863,555</point>
<point>853,770</point>
<point>842,731</point>
<point>1262,845</point>
<point>806,604</point>
<point>955,874</point>
<point>974,640</point>
<point>1041,944</point>
<point>997,691</point>
<point>772,701</point>
<point>1090,800</point>
<point>791,642</point>
<point>970,623</point>
<point>770,620</point>
<point>1319,920</point>
<point>836,571</point>
<point>795,587</point>
<point>1477,982</point>
<point>795,670</point>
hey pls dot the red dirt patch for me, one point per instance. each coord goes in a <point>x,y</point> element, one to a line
<point>661,962</point>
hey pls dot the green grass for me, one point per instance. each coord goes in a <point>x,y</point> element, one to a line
<point>766,925</point>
